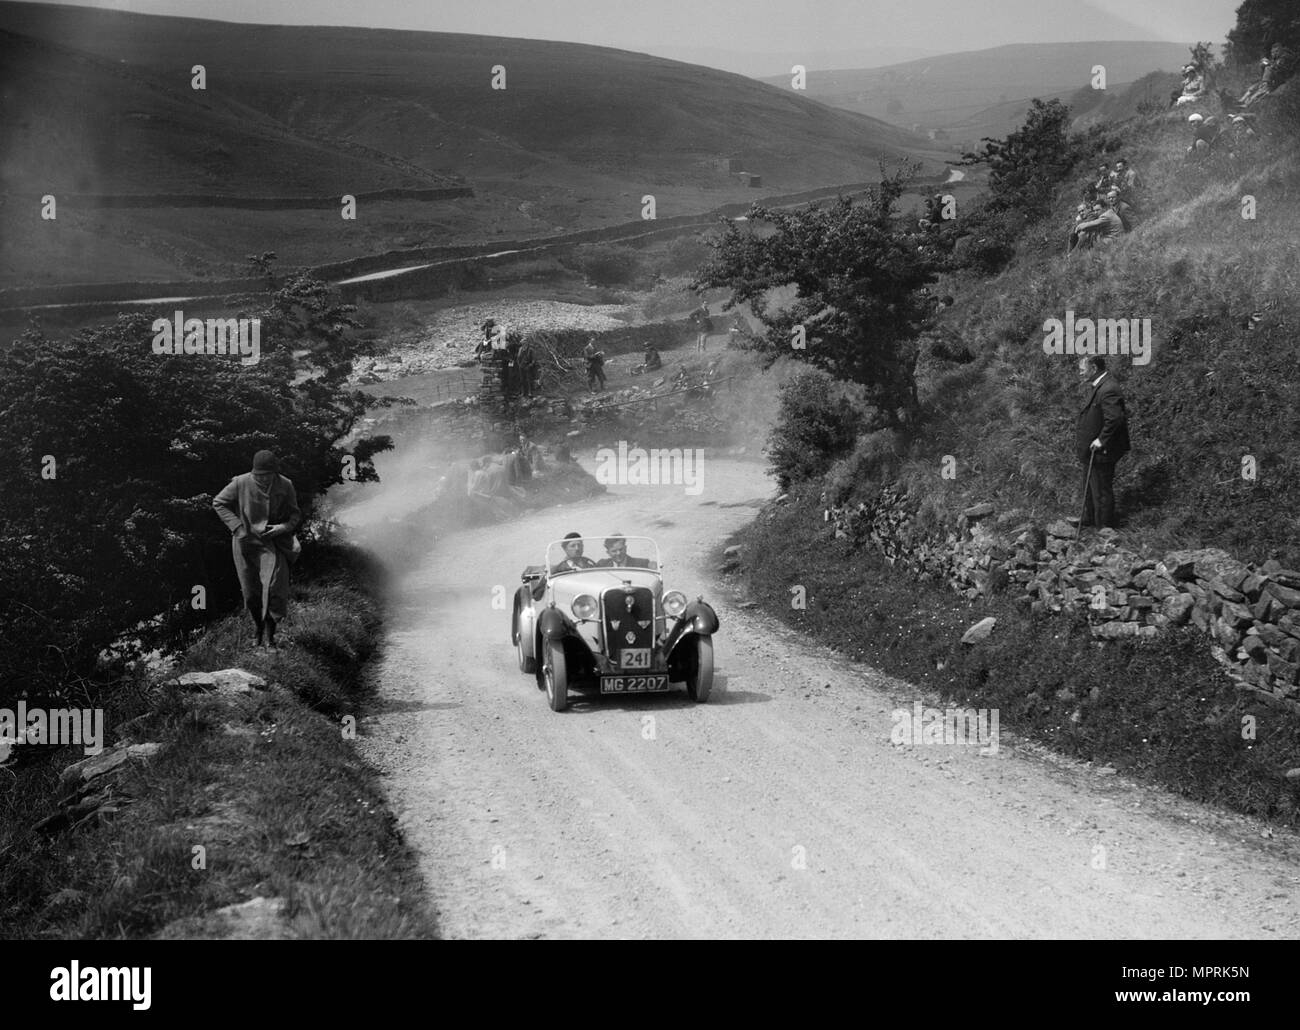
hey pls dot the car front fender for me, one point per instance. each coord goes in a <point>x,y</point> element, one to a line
<point>698,619</point>
<point>552,624</point>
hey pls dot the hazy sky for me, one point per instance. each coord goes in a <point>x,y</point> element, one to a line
<point>749,25</point>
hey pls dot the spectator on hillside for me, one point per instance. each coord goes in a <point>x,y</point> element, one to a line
<point>532,454</point>
<point>1274,70</point>
<point>1121,207</point>
<point>526,368</point>
<point>595,365</point>
<point>650,359</point>
<point>1125,177</point>
<point>261,510</point>
<point>1103,227</point>
<point>510,365</point>
<point>1194,86</point>
<point>1100,440</point>
<point>484,346</point>
<point>1104,180</point>
<point>488,484</point>
<point>1205,134</point>
<point>1081,215</point>
<point>704,326</point>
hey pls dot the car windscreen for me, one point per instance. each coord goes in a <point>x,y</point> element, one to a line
<point>600,552</point>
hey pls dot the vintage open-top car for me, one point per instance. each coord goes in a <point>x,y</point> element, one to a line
<point>595,616</point>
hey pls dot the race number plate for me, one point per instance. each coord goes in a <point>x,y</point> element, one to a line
<point>634,684</point>
<point>635,657</point>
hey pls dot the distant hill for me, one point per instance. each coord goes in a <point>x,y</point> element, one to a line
<point>965,96</point>
<point>763,65</point>
<point>100,101</point>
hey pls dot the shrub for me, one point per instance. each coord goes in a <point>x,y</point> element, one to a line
<point>815,425</point>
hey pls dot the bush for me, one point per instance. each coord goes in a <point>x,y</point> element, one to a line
<point>110,455</point>
<point>606,264</point>
<point>875,460</point>
<point>815,425</point>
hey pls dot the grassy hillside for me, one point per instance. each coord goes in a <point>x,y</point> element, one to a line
<point>1222,384</point>
<point>102,102</point>
<point>986,92</point>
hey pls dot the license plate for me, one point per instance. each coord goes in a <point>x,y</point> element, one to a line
<point>634,684</point>
<point>636,658</point>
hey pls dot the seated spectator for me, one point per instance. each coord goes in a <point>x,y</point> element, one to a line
<point>1205,134</point>
<point>651,361</point>
<point>1274,70</point>
<point>1103,227</point>
<point>1121,208</point>
<point>530,456</point>
<point>1125,177</point>
<point>1194,85</point>
<point>1081,215</point>
<point>489,482</point>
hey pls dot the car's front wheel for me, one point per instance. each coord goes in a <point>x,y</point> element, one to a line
<point>699,681</point>
<point>527,663</point>
<point>556,676</point>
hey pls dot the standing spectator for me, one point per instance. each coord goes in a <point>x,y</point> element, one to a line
<point>261,509</point>
<point>1100,440</point>
<point>595,365</point>
<point>484,345</point>
<point>510,366</point>
<point>526,366</point>
<point>704,324</point>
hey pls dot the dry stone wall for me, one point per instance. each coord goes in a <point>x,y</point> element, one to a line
<point>1251,611</point>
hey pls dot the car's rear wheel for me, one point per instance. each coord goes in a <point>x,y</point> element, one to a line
<point>556,675</point>
<point>527,663</point>
<point>699,681</point>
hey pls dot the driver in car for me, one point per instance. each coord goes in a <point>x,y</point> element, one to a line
<point>573,558</point>
<point>616,548</point>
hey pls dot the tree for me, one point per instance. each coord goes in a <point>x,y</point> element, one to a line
<point>1262,24</point>
<point>1026,166</point>
<point>110,455</point>
<point>857,273</point>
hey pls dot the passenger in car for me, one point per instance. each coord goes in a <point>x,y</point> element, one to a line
<point>616,548</point>
<point>573,555</point>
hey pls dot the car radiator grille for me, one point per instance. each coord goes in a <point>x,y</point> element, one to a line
<point>629,621</point>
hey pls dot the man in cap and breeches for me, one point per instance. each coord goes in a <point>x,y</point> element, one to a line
<point>261,509</point>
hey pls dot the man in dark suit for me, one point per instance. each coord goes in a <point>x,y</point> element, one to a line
<point>616,548</point>
<point>1100,437</point>
<point>261,510</point>
<point>574,559</point>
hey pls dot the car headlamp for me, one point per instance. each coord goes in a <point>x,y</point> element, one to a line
<point>585,606</point>
<point>674,603</point>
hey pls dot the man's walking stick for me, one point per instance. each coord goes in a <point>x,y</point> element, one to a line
<point>1087,482</point>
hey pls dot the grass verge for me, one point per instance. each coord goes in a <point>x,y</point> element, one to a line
<point>258,796</point>
<point>1161,710</point>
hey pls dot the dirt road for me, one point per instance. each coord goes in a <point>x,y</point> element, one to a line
<point>779,809</point>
